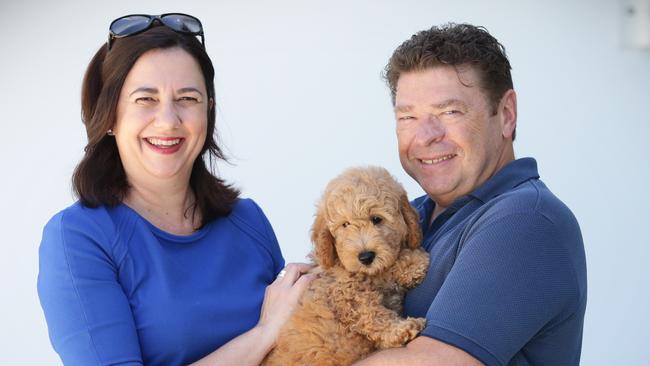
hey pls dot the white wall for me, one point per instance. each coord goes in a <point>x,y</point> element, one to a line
<point>300,99</point>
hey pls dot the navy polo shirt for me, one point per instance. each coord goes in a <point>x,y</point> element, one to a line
<point>507,281</point>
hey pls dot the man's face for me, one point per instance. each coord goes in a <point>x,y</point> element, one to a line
<point>449,139</point>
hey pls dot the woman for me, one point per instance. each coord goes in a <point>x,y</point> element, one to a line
<point>160,262</point>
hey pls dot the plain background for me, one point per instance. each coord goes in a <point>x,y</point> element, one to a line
<point>300,98</point>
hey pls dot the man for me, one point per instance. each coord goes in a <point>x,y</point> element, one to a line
<point>507,281</point>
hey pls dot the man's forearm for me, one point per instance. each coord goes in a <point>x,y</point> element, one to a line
<point>421,351</point>
<point>394,356</point>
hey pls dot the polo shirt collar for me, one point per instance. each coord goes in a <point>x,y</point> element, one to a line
<point>510,176</point>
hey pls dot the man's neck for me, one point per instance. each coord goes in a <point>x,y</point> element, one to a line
<point>437,210</point>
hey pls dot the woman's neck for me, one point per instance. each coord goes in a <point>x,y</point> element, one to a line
<point>167,207</point>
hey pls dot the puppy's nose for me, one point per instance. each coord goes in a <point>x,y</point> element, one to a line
<point>366,257</point>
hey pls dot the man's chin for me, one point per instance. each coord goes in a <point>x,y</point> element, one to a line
<point>438,190</point>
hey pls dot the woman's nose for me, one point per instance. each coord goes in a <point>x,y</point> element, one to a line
<point>167,115</point>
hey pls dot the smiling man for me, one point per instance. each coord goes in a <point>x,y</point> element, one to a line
<point>507,282</point>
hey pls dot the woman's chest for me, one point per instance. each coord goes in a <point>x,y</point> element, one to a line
<point>187,301</point>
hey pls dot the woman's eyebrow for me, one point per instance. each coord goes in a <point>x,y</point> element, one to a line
<point>189,90</point>
<point>150,90</point>
<point>145,89</point>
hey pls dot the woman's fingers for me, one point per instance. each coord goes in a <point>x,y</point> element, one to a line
<point>291,273</point>
<point>282,296</point>
<point>302,283</point>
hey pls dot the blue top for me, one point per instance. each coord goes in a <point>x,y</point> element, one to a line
<point>507,281</point>
<point>117,290</point>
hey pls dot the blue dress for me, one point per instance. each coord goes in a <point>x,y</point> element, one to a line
<point>117,290</point>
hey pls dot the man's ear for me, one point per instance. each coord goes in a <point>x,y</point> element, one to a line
<point>507,111</point>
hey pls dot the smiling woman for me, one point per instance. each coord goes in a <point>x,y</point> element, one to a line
<point>161,125</point>
<point>160,262</point>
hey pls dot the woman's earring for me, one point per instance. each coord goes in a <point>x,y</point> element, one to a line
<point>110,132</point>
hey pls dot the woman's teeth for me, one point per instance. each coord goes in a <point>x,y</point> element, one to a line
<point>165,143</point>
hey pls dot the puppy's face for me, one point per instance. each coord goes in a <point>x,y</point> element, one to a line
<point>366,223</point>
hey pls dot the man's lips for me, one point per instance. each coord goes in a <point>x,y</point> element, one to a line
<point>436,160</point>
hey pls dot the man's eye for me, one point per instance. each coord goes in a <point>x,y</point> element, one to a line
<point>405,118</point>
<point>451,112</point>
<point>188,99</point>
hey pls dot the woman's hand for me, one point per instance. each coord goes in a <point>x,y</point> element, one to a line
<point>281,297</point>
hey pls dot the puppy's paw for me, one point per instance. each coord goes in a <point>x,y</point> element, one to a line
<point>403,332</point>
<point>420,323</point>
<point>420,265</point>
<point>411,267</point>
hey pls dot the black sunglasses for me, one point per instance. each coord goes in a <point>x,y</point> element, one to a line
<point>130,25</point>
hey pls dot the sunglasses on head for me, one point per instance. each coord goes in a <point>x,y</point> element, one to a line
<point>133,24</point>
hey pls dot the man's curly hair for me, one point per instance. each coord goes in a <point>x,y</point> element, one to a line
<point>455,45</point>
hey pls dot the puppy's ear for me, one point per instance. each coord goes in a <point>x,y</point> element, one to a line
<point>414,232</point>
<point>324,251</point>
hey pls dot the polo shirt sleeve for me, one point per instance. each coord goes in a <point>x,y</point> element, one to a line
<point>88,315</point>
<point>512,276</point>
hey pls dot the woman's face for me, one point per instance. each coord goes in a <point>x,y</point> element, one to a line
<point>162,117</point>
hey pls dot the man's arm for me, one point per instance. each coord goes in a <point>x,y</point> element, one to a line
<point>421,351</point>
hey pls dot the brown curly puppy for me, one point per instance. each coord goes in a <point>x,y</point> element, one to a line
<point>367,244</point>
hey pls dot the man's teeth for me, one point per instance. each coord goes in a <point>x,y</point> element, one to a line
<point>159,142</point>
<point>435,161</point>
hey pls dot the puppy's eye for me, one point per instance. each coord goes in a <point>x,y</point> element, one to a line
<point>345,224</point>
<point>376,220</point>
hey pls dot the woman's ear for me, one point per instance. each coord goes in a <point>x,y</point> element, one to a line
<point>324,251</point>
<point>414,233</point>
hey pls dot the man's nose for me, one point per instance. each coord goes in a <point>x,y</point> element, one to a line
<point>430,130</point>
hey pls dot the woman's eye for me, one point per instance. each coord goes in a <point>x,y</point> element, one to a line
<point>144,100</point>
<point>188,99</point>
<point>376,220</point>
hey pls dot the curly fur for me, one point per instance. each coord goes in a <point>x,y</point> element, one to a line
<point>353,308</point>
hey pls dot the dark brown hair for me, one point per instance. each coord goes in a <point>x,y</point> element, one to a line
<point>99,179</point>
<point>455,45</point>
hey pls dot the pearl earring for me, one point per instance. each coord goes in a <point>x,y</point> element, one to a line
<point>110,132</point>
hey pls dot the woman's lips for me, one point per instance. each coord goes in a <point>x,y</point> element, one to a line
<point>165,145</point>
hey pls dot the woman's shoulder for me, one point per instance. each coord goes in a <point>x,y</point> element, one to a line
<point>248,209</point>
<point>248,217</point>
<point>78,214</point>
<point>247,212</point>
<point>100,224</point>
